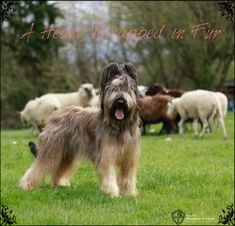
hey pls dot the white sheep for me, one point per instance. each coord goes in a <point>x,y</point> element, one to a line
<point>198,104</point>
<point>27,115</point>
<point>46,106</point>
<point>81,98</point>
<point>36,112</point>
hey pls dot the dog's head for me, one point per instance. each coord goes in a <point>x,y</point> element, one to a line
<point>86,91</point>
<point>119,94</point>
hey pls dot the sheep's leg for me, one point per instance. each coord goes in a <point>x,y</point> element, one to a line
<point>211,120</point>
<point>201,124</point>
<point>221,123</point>
<point>195,127</point>
<point>170,126</point>
<point>181,126</point>
<point>162,129</point>
<point>185,127</point>
<point>37,130</point>
<point>33,128</point>
<point>31,131</point>
<point>144,128</point>
<point>148,128</point>
<point>205,125</point>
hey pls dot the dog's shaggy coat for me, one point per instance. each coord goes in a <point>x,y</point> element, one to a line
<point>108,136</point>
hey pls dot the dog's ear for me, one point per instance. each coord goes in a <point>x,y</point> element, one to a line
<point>108,74</point>
<point>130,69</point>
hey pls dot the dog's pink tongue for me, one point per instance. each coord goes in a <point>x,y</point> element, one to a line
<point>119,114</point>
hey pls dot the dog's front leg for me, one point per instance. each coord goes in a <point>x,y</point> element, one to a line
<point>128,171</point>
<point>108,179</point>
<point>128,182</point>
<point>127,179</point>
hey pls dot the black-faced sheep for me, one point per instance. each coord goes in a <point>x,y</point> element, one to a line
<point>160,89</point>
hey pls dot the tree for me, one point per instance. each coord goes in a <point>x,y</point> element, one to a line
<point>23,64</point>
<point>187,62</point>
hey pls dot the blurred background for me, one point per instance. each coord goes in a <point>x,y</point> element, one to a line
<point>40,66</point>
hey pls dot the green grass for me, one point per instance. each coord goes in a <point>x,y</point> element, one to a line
<point>184,173</point>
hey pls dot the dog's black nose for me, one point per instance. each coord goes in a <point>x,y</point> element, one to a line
<point>120,101</point>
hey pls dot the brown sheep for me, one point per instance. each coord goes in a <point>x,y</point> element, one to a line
<point>153,109</point>
<point>160,89</point>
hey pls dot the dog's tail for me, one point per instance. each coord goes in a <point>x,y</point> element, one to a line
<point>33,148</point>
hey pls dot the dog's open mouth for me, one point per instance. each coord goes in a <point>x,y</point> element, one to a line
<point>119,114</point>
<point>119,109</point>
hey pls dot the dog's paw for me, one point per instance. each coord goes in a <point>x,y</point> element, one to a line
<point>133,193</point>
<point>25,186</point>
<point>113,191</point>
<point>63,183</point>
<point>114,194</point>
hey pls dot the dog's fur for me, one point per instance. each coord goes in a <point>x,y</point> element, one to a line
<point>102,135</point>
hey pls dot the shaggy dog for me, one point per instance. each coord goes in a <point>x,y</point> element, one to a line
<point>108,136</point>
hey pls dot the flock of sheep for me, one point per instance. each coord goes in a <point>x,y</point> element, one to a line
<point>172,107</point>
<point>175,107</point>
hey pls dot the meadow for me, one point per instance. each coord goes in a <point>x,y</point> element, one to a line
<point>193,175</point>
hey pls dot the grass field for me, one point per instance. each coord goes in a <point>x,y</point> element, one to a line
<point>193,175</point>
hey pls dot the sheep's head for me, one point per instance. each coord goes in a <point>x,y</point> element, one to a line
<point>86,91</point>
<point>23,118</point>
